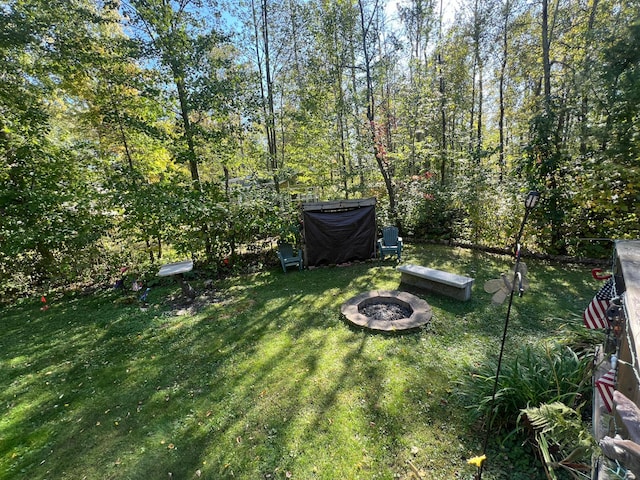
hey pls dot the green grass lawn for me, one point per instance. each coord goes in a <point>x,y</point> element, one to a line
<point>268,382</point>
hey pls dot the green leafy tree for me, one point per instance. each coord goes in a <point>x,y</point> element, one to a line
<point>196,62</point>
<point>51,212</point>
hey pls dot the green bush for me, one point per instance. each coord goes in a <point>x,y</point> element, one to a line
<point>552,373</point>
<point>430,211</point>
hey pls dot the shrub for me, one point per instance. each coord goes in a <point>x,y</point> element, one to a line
<point>430,211</point>
<point>553,373</point>
<point>563,440</point>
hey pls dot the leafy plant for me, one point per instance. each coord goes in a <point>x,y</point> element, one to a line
<point>553,373</point>
<point>562,438</point>
<point>430,210</point>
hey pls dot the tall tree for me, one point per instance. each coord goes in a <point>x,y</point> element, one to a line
<point>262,39</point>
<point>377,131</point>
<point>418,19</point>
<point>48,202</point>
<point>181,37</point>
<point>504,54</point>
<point>441,89</point>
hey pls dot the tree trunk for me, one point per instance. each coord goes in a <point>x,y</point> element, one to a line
<point>480,100</point>
<point>134,182</point>
<point>443,114</point>
<point>503,72</point>
<point>340,113</point>
<point>270,116</point>
<point>188,132</point>
<point>354,87</point>
<point>472,114</point>
<point>546,64</point>
<point>379,154</point>
<point>193,159</point>
<point>261,30</point>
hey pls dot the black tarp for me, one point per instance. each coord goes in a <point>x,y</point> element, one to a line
<point>339,236</point>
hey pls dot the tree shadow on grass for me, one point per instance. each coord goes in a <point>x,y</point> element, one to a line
<point>268,382</point>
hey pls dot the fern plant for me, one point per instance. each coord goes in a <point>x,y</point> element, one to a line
<point>563,440</point>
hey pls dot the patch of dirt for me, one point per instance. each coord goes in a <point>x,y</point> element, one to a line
<point>180,305</point>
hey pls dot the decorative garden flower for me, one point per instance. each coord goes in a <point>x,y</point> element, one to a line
<point>477,461</point>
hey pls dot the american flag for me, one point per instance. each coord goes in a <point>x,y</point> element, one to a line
<point>595,316</point>
<point>606,384</point>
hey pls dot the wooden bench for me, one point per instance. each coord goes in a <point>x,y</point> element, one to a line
<point>437,281</point>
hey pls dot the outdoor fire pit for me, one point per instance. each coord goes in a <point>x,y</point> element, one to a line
<point>387,310</point>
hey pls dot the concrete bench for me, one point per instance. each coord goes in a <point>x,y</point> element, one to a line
<point>437,281</point>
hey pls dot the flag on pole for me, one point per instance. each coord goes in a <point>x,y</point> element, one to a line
<point>595,316</point>
<point>606,385</point>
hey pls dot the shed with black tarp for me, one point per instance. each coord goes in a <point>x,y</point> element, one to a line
<point>339,231</point>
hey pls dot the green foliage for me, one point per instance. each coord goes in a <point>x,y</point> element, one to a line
<point>111,112</point>
<point>258,213</point>
<point>494,209</point>
<point>430,211</point>
<point>546,374</point>
<point>562,437</point>
<point>52,216</point>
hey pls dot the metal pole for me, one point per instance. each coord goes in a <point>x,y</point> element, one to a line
<point>529,204</point>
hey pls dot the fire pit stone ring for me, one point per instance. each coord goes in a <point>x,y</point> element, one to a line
<point>419,312</point>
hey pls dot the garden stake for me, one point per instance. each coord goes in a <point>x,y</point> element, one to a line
<point>529,204</point>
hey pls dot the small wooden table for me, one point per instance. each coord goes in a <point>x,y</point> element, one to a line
<point>179,269</point>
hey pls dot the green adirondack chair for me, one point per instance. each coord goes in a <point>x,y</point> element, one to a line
<point>288,258</point>
<point>390,243</point>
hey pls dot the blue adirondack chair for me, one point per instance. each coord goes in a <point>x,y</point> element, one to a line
<point>288,258</point>
<point>390,243</point>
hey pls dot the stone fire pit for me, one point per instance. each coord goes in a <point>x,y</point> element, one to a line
<point>387,310</point>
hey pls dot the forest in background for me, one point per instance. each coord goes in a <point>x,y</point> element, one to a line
<point>140,131</point>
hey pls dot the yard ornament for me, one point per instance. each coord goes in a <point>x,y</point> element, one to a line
<point>143,297</point>
<point>501,287</point>
<point>519,272</point>
<point>477,461</point>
